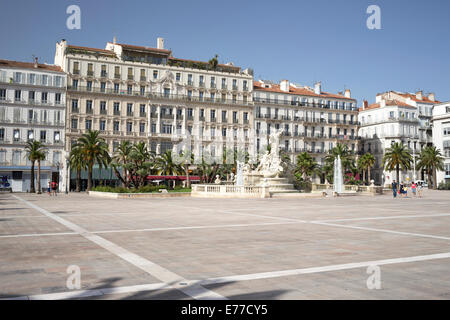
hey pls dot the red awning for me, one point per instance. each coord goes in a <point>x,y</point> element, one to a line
<point>180,178</point>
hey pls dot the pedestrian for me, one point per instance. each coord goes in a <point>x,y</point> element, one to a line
<point>49,188</point>
<point>413,189</point>
<point>400,189</point>
<point>54,186</point>
<point>394,189</point>
<point>405,191</point>
<point>420,189</point>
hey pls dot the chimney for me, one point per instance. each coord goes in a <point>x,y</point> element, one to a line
<point>365,105</point>
<point>318,88</point>
<point>115,40</point>
<point>419,95</point>
<point>431,97</point>
<point>348,93</point>
<point>160,43</point>
<point>284,85</point>
<point>36,62</point>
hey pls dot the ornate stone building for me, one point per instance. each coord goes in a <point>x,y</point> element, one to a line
<point>139,93</point>
<point>312,120</point>
<point>396,117</point>
<point>32,107</point>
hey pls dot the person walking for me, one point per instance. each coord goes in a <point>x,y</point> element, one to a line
<point>413,189</point>
<point>394,189</point>
<point>54,186</point>
<point>49,188</point>
<point>420,190</point>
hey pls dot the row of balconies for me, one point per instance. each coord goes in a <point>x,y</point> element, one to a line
<point>141,78</point>
<point>34,102</point>
<point>302,104</point>
<point>26,163</point>
<point>20,141</point>
<point>309,135</point>
<point>163,96</point>
<point>306,120</point>
<point>33,122</point>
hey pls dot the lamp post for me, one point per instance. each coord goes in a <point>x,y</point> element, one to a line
<point>414,163</point>
<point>67,173</point>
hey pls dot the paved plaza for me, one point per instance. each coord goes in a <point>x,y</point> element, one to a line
<point>190,248</point>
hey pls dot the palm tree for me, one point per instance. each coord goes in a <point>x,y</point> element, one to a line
<point>345,154</point>
<point>121,158</point>
<point>213,62</point>
<point>78,162</point>
<point>142,162</point>
<point>166,165</point>
<point>34,152</point>
<point>431,160</point>
<point>366,162</point>
<point>397,157</point>
<point>305,166</point>
<point>40,157</point>
<point>95,151</point>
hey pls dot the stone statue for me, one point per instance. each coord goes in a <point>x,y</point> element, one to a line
<point>270,165</point>
<point>217,181</point>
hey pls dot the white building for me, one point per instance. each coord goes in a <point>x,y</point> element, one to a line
<point>441,137</point>
<point>145,94</point>
<point>32,107</point>
<point>395,117</point>
<point>312,120</point>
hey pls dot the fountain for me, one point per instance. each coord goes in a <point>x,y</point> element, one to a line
<point>338,180</point>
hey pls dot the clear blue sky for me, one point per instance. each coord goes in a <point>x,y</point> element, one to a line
<point>303,41</point>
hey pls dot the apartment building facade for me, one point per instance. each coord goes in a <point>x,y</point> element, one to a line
<point>145,94</point>
<point>312,120</point>
<point>396,117</point>
<point>32,107</point>
<point>441,137</point>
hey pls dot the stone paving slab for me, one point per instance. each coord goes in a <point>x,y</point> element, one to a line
<point>231,241</point>
<point>32,266</point>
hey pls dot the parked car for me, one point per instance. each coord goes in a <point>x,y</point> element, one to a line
<point>425,184</point>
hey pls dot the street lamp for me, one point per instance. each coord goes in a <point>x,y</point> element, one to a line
<point>67,172</point>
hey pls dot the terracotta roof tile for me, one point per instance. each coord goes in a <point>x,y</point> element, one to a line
<point>29,65</point>
<point>300,91</point>
<point>133,47</point>
<point>92,49</point>
<point>414,98</point>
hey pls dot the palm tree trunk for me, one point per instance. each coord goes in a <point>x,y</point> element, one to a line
<point>434,178</point>
<point>397,169</point>
<point>429,178</point>
<point>32,189</point>
<point>368,174</point>
<point>89,186</point>
<point>39,191</point>
<point>78,187</point>
<point>188,181</point>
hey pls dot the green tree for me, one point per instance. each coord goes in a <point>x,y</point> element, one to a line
<point>431,160</point>
<point>35,152</point>
<point>121,159</point>
<point>95,151</point>
<point>213,62</point>
<point>165,164</point>
<point>77,161</point>
<point>347,160</point>
<point>366,162</point>
<point>397,157</point>
<point>306,166</point>
<point>141,163</point>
